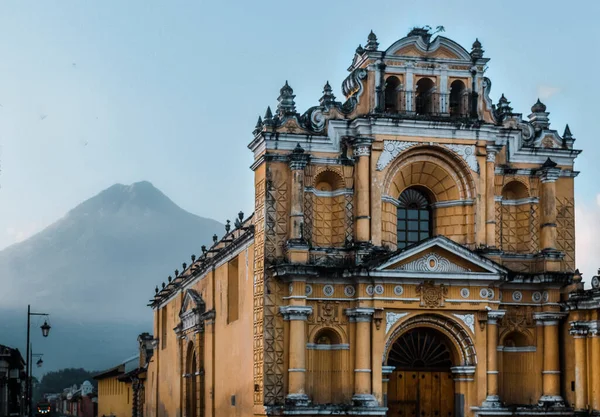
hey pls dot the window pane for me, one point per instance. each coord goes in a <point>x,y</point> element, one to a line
<point>413,225</point>
<point>423,235</point>
<point>424,226</point>
<point>401,245</point>
<point>401,236</point>
<point>413,214</point>
<point>424,214</point>
<point>401,213</point>
<point>413,237</point>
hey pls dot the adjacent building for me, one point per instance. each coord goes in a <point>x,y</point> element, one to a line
<point>76,401</point>
<point>411,253</point>
<point>121,389</point>
<point>12,382</point>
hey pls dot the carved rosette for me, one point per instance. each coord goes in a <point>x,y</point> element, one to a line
<point>295,312</point>
<point>361,150</point>
<point>432,295</point>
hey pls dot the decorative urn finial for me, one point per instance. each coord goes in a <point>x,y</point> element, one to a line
<point>215,238</point>
<point>372,43</point>
<point>360,50</point>
<point>268,119</point>
<point>476,50</point>
<point>503,108</point>
<point>538,107</point>
<point>328,98</point>
<point>259,125</point>
<point>228,226</point>
<point>286,105</point>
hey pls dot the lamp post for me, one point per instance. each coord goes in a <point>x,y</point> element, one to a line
<point>45,331</point>
<point>39,364</point>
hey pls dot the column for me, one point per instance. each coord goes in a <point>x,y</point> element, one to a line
<point>551,372</point>
<point>594,335</point>
<point>444,91</point>
<point>579,332</point>
<point>379,86</point>
<point>298,161</point>
<point>297,316</point>
<point>548,176</point>
<point>362,156</point>
<point>363,396</point>
<point>409,88</point>
<point>492,399</point>
<point>490,209</point>
<point>386,371</point>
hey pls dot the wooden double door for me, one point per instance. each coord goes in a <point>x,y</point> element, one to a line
<point>421,394</point>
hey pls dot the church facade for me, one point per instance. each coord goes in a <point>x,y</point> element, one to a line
<point>411,253</point>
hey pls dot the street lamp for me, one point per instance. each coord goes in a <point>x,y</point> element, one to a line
<point>30,367</point>
<point>40,362</point>
<point>45,331</point>
<point>45,328</point>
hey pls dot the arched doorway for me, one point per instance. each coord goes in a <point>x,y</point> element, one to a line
<point>421,384</point>
<point>192,397</point>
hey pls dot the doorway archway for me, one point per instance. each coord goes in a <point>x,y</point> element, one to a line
<point>422,383</point>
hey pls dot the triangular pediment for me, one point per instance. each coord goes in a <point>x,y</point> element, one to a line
<point>192,301</point>
<point>440,255</point>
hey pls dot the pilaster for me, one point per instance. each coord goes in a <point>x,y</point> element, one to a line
<point>493,399</point>
<point>297,247</point>
<point>297,316</point>
<point>579,331</point>
<point>363,396</point>
<point>362,155</point>
<point>490,209</point>
<point>548,176</point>
<point>551,372</point>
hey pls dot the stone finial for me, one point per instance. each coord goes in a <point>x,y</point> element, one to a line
<point>156,290</point>
<point>568,138</point>
<point>372,43</point>
<point>549,163</point>
<point>286,105</point>
<point>360,50</point>
<point>268,119</point>
<point>298,159</point>
<point>503,107</point>
<point>538,107</point>
<point>215,238</point>
<point>183,266</point>
<point>163,285</point>
<point>259,125</point>
<point>577,276</point>
<point>241,216</point>
<point>176,273</point>
<point>193,258</point>
<point>539,116</point>
<point>328,98</point>
<point>476,50</point>
<point>169,278</point>
<point>228,226</point>
<point>203,249</point>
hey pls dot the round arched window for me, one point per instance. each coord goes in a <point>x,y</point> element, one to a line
<point>414,218</point>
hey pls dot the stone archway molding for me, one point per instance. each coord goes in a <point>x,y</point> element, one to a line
<point>458,335</point>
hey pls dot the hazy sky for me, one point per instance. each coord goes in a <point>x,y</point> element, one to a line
<point>93,93</point>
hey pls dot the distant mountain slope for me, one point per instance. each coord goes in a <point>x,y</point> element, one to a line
<point>101,262</point>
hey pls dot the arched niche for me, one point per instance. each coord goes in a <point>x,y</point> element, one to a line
<point>458,99</point>
<point>392,94</point>
<point>447,182</point>
<point>517,218</point>
<point>329,215</point>
<point>328,367</point>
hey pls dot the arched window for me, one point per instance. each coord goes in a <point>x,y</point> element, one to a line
<point>414,217</point>
<point>392,84</point>
<point>425,102</point>
<point>458,103</point>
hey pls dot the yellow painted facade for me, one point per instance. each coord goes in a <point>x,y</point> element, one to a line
<point>411,252</point>
<point>114,396</point>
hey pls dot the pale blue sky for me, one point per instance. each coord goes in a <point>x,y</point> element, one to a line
<point>94,93</point>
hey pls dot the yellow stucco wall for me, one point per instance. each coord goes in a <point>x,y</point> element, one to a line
<point>114,398</point>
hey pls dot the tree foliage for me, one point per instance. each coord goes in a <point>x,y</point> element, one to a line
<point>56,381</point>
